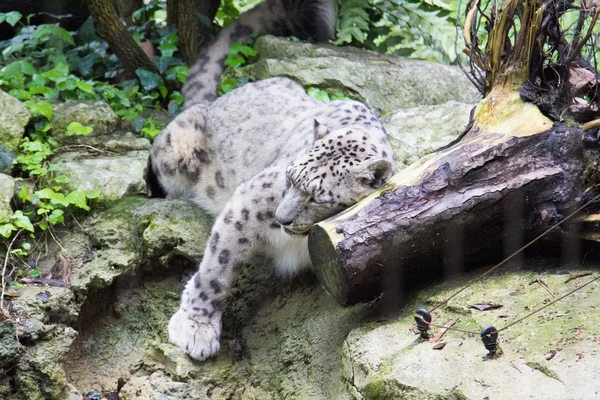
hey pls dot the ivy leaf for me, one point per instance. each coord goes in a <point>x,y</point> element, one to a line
<point>55,198</point>
<point>149,80</point>
<point>47,30</point>
<point>15,68</point>
<point>93,194</point>
<point>78,198</point>
<point>11,17</point>
<point>40,108</point>
<point>76,128</point>
<point>61,70</point>
<point>7,229</point>
<point>22,221</point>
<point>228,84</point>
<point>57,216</point>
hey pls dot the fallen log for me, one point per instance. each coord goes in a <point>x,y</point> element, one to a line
<point>512,176</point>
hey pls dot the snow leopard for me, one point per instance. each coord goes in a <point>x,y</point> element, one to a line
<point>268,161</point>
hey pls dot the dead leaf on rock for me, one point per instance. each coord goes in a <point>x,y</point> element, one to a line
<point>439,346</point>
<point>43,296</point>
<point>550,355</point>
<point>12,293</point>
<point>443,330</point>
<point>485,306</point>
<point>581,81</point>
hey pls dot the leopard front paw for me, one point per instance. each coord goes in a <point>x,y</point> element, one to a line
<point>198,338</point>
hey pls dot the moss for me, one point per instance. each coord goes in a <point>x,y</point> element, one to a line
<point>543,369</point>
<point>385,389</point>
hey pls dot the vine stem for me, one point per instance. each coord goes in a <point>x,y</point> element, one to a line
<point>10,245</point>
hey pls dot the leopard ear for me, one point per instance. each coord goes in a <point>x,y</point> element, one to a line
<point>375,174</point>
<point>320,130</point>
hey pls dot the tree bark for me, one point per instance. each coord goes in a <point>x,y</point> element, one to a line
<point>194,20</point>
<point>119,39</point>
<point>127,8</point>
<point>511,177</point>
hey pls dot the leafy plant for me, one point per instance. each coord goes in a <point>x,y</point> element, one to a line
<point>416,28</point>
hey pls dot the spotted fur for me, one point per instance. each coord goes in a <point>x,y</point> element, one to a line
<point>268,161</point>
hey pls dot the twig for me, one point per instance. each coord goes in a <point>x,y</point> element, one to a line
<point>575,52</point>
<point>572,277</point>
<point>10,245</point>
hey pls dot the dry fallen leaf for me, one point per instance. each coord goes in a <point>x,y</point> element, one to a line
<point>439,346</point>
<point>12,293</point>
<point>443,330</point>
<point>581,81</point>
<point>550,355</point>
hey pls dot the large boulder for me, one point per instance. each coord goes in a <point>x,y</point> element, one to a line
<point>382,81</point>
<point>114,176</point>
<point>7,188</point>
<point>14,116</point>
<point>551,355</point>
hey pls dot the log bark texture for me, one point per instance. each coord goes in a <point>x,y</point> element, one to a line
<point>511,176</point>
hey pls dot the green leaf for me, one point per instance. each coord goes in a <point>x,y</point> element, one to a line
<point>57,216</point>
<point>61,70</point>
<point>93,194</point>
<point>149,80</point>
<point>47,30</point>
<point>7,229</point>
<point>11,17</point>
<point>75,128</point>
<point>228,84</point>
<point>22,221</point>
<point>62,179</point>
<point>15,68</point>
<point>78,198</point>
<point>40,108</point>
<point>55,198</point>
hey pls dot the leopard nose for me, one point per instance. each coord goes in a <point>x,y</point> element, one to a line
<point>283,221</point>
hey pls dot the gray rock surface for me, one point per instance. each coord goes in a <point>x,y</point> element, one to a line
<point>114,176</point>
<point>14,115</point>
<point>7,188</point>
<point>96,114</point>
<point>552,355</point>
<point>418,131</point>
<point>384,82</point>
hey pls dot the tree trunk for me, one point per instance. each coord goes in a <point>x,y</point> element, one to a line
<point>127,8</point>
<point>194,20</point>
<point>119,39</point>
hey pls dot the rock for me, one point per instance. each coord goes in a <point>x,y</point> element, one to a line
<point>123,142</point>
<point>7,188</point>
<point>416,132</point>
<point>41,308</point>
<point>96,114</point>
<point>137,231</point>
<point>115,177</point>
<point>9,346</point>
<point>382,81</point>
<point>39,373</point>
<point>6,159</point>
<point>385,360</point>
<point>14,116</point>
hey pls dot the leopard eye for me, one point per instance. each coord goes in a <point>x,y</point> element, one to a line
<point>311,199</point>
